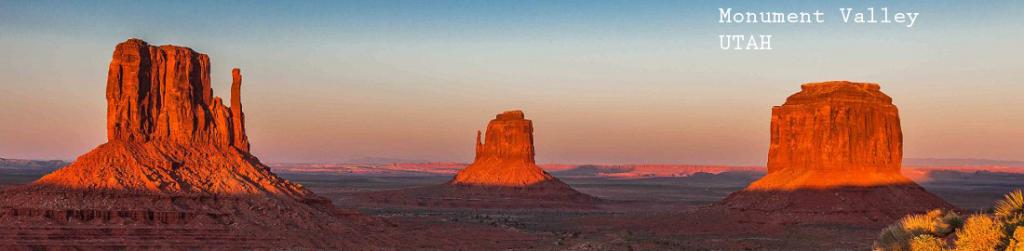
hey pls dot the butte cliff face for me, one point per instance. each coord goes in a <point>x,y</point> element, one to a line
<point>176,173</point>
<point>834,134</point>
<point>506,157</point>
<point>836,150</point>
<point>168,134</point>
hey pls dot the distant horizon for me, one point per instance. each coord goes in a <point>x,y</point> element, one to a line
<point>603,82</point>
<point>410,161</point>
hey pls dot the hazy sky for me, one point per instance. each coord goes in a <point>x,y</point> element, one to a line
<point>604,82</point>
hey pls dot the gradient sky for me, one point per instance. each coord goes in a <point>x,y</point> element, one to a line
<point>604,82</point>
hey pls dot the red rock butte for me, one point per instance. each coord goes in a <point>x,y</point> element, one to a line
<point>835,154</point>
<point>167,133</point>
<point>506,158</point>
<point>834,134</point>
<point>503,175</point>
<point>175,173</point>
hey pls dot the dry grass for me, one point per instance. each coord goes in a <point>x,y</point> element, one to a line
<point>980,232</point>
<point>1017,242</point>
<point>927,243</point>
<point>919,231</point>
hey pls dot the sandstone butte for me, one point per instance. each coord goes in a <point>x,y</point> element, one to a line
<point>836,147</point>
<point>506,158</point>
<point>175,172</point>
<point>503,175</point>
<point>834,134</point>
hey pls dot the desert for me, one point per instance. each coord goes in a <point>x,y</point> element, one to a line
<point>511,125</point>
<point>176,173</point>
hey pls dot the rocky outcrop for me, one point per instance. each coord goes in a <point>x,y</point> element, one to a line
<point>835,153</point>
<point>176,171</point>
<point>163,94</point>
<point>506,157</point>
<point>503,175</point>
<point>168,134</point>
<point>834,134</point>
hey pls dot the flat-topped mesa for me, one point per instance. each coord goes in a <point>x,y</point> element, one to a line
<point>834,134</point>
<point>506,157</point>
<point>163,93</point>
<point>835,155</point>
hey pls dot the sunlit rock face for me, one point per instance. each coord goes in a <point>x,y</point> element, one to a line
<point>505,157</point>
<point>167,133</point>
<point>504,175</point>
<point>835,156</point>
<point>834,134</point>
<point>175,173</point>
<point>163,93</point>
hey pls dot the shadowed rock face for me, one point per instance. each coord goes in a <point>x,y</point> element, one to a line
<point>834,134</point>
<point>506,157</point>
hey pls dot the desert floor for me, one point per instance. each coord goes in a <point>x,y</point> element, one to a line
<point>616,223</point>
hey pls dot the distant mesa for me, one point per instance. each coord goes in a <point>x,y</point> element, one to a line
<point>176,173</point>
<point>503,175</point>
<point>836,148</point>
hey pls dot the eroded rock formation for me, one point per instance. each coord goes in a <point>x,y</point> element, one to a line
<point>834,134</point>
<point>503,175</point>
<point>168,134</point>
<point>506,157</point>
<point>175,173</point>
<point>835,153</point>
<point>163,94</point>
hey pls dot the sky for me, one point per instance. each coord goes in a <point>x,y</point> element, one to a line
<point>603,81</point>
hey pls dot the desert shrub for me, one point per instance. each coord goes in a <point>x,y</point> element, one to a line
<point>980,232</point>
<point>927,243</point>
<point>919,224</point>
<point>951,221</point>
<point>1017,242</point>
<point>1004,228</point>
<point>919,229</point>
<point>1010,211</point>
<point>893,238</point>
<point>1011,206</point>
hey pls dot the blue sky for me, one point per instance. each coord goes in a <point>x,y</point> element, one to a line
<point>604,81</point>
